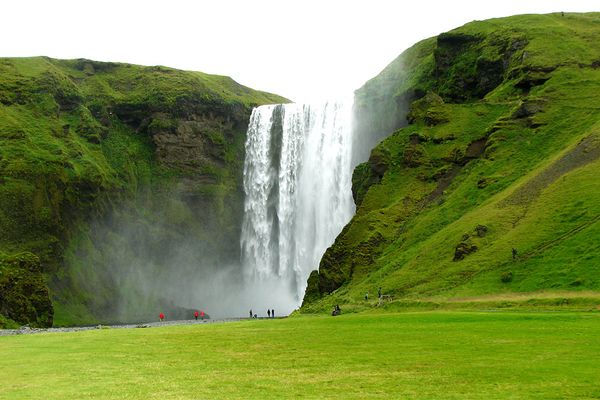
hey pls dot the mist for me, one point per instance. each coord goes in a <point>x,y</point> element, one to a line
<point>176,249</point>
<point>139,261</point>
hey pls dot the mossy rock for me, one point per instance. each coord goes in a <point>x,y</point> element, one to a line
<point>427,110</point>
<point>312,292</point>
<point>415,156</point>
<point>24,296</point>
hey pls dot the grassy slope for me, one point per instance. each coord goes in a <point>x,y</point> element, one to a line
<point>410,355</point>
<point>75,138</point>
<point>534,187</point>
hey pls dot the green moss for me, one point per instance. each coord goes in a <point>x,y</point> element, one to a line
<point>24,297</point>
<point>79,142</point>
<point>516,156</point>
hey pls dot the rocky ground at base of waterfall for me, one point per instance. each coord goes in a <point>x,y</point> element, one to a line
<point>25,330</point>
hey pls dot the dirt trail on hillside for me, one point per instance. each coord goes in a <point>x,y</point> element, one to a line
<point>586,151</point>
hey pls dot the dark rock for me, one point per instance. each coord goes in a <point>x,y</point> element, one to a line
<point>463,249</point>
<point>441,172</point>
<point>465,71</point>
<point>481,230</point>
<point>528,109</point>
<point>475,149</point>
<point>363,177</point>
<point>443,139</point>
<point>483,183</point>
<point>380,161</point>
<point>456,156</point>
<point>312,292</point>
<point>531,78</point>
<point>506,277</point>
<point>418,138</point>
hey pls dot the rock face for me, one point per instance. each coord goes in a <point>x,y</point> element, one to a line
<point>97,153</point>
<point>480,151</point>
<point>24,296</point>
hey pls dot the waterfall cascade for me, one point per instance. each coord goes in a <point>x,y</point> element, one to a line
<point>297,183</point>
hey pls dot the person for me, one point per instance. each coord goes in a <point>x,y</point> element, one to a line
<point>196,315</point>
<point>366,296</point>
<point>161,316</point>
<point>202,315</point>
<point>269,313</point>
<point>251,313</point>
<point>272,313</point>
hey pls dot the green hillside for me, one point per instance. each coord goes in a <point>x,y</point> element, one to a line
<point>85,142</point>
<point>501,152</point>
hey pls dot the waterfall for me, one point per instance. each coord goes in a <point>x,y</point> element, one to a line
<point>297,184</point>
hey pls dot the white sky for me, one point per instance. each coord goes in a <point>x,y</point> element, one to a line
<point>302,49</point>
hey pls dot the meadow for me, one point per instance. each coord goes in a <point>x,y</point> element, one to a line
<point>450,355</point>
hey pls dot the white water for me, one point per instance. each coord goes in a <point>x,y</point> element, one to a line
<point>297,182</point>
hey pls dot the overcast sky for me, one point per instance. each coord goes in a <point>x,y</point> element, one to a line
<point>299,49</point>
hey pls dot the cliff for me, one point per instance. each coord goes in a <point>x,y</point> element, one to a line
<point>488,192</point>
<point>104,158</point>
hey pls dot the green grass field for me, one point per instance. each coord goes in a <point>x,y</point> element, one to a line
<point>485,355</point>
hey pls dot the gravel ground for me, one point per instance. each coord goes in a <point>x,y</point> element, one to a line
<point>25,330</point>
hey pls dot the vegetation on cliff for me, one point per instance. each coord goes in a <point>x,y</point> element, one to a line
<point>84,141</point>
<point>492,188</point>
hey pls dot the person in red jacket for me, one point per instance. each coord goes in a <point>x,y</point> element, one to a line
<point>202,315</point>
<point>161,316</point>
<point>196,315</point>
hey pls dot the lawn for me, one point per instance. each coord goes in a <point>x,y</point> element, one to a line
<point>411,355</point>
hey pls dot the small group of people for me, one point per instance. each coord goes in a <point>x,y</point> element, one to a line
<point>270,313</point>
<point>336,310</point>
<point>201,315</point>
<point>197,314</point>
